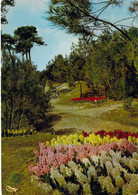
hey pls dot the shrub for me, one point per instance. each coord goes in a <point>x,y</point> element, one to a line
<point>128,105</point>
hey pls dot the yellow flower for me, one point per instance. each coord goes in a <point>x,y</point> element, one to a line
<point>81,138</point>
<point>130,139</point>
<point>47,143</point>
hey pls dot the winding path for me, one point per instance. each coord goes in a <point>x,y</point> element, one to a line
<point>77,119</point>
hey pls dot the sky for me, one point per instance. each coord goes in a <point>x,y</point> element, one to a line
<point>32,13</point>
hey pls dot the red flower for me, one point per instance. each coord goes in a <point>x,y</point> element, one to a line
<point>85,134</point>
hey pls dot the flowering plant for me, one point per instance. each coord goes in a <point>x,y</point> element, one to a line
<point>92,138</point>
<point>19,132</point>
<point>91,99</point>
<point>117,133</point>
<point>76,164</point>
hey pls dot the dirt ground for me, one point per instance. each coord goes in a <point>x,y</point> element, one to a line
<point>76,118</point>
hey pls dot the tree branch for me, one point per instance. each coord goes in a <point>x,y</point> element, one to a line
<point>99,20</point>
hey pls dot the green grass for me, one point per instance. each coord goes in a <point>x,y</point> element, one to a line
<point>17,155</point>
<point>123,116</point>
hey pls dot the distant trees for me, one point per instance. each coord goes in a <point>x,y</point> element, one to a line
<point>111,64</point>
<point>75,69</point>
<point>107,62</point>
<point>26,37</point>
<point>57,69</point>
<point>106,55</point>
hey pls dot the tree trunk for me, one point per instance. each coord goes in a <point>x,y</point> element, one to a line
<point>11,113</point>
<point>20,113</point>
<point>22,57</point>
<point>29,55</point>
<point>6,133</point>
<point>80,88</point>
<point>26,55</point>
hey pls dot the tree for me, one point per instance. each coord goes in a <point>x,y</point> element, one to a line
<point>4,10</point>
<point>111,64</point>
<point>57,69</point>
<point>75,69</point>
<point>85,16</point>
<point>24,103</point>
<point>26,37</point>
<point>7,43</point>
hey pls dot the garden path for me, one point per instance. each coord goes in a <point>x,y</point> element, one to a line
<point>76,119</point>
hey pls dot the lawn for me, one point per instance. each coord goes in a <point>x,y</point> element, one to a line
<point>17,154</point>
<point>123,116</point>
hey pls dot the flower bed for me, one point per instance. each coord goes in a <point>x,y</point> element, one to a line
<point>95,164</point>
<point>91,99</point>
<point>117,133</point>
<point>19,132</point>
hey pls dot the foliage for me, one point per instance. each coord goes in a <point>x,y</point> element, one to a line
<point>108,64</point>
<point>111,64</point>
<point>4,10</point>
<point>23,100</point>
<point>26,37</point>
<point>57,69</point>
<point>85,17</point>
<point>128,105</point>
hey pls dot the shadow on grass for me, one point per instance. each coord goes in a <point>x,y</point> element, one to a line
<point>65,131</point>
<point>51,120</point>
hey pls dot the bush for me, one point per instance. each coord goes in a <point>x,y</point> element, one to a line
<point>128,105</point>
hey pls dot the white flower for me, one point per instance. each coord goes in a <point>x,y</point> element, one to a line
<point>125,189</point>
<point>115,155</point>
<point>95,159</point>
<point>111,189</point>
<point>109,167</point>
<point>135,155</point>
<point>127,176</point>
<point>134,178</point>
<point>117,165</point>
<point>68,172</point>
<point>125,161</point>
<point>101,180</point>
<point>86,162</point>
<point>115,172</point>
<point>112,153</point>
<point>130,188</point>
<point>133,164</point>
<point>63,170</point>
<point>104,158</point>
<point>73,188</point>
<point>72,165</point>
<point>55,175</point>
<point>46,187</point>
<point>87,189</point>
<point>81,177</point>
<point>119,181</point>
<point>92,173</point>
<point>107,184</point>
